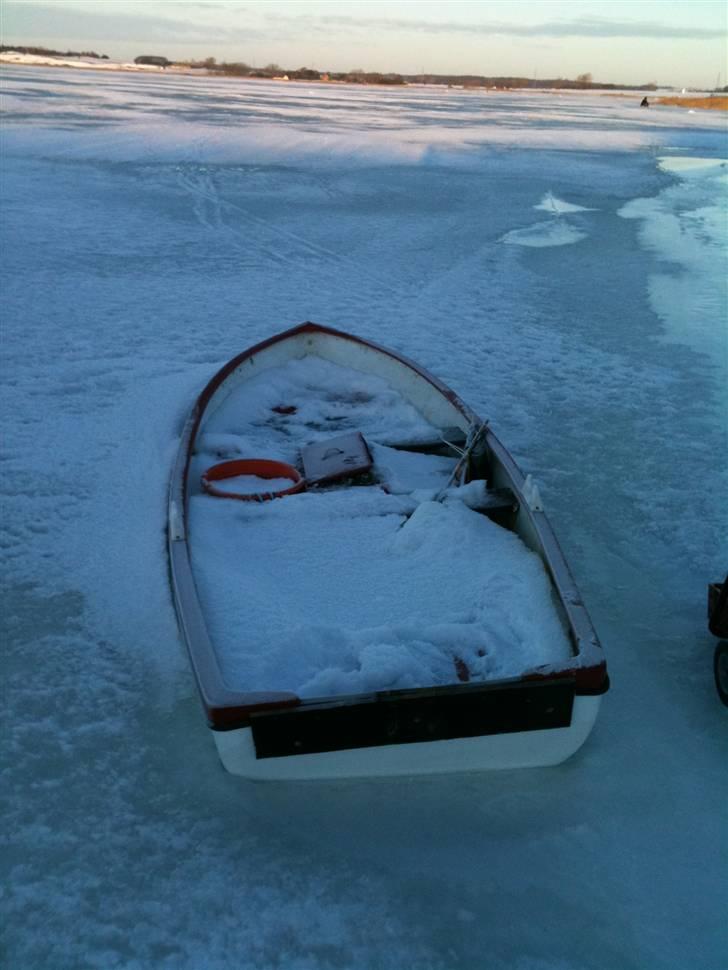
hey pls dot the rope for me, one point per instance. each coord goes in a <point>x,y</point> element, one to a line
<point>475,436</point>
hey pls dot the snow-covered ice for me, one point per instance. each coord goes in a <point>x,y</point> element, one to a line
<point>155,226</point>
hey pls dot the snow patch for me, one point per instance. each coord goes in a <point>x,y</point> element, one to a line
<point>87,63</point>
<point>544,234</point>
<point>360,588</point>
<point>252,485</point>
<point>550,203</point>
<point>687,166</point>
<point>686,225</point>
<point>343,592</point>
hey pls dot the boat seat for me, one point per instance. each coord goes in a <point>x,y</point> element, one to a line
<point>438,446</point>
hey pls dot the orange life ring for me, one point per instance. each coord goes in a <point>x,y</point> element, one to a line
<point>258,467</point>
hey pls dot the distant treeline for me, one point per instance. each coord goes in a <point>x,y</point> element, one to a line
<point>239,69</point>
<point>583,82</point>
<point>45,52</point>
<point>563,83</point>
<point>358,76</point>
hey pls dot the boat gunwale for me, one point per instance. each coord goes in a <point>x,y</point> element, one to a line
<point>229,709</point>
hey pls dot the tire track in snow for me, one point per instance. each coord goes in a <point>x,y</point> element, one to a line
<point>206,197</point>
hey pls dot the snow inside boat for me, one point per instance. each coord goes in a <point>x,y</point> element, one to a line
<point>365,582</point>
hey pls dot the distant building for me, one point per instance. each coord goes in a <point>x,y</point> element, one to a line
<point>154,61</point>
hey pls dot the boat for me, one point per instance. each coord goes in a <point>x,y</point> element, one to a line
<point>366,583</point>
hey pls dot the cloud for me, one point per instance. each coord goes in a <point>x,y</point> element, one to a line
<point>43,20</point>
<point>214,22</point>
<point>208,5</point>
<point>581,27</point>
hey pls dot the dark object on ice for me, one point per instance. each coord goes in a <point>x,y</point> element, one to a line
<point>720,670</point>
<point>644,103</point>
<point>153,60</point>
<point>718,626</point>
<point>718,609</point>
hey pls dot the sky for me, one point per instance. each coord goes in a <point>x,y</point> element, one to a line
<point>671,42</point>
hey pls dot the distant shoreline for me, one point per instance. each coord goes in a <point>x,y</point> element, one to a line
<point>704,100</point>
<point>717,102</point>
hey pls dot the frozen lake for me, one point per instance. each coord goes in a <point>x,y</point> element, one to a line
<point>560,262</point>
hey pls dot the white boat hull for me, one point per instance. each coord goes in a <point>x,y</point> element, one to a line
<point>522,749</point>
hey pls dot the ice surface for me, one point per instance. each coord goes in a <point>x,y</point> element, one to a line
<point>155,226</point>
